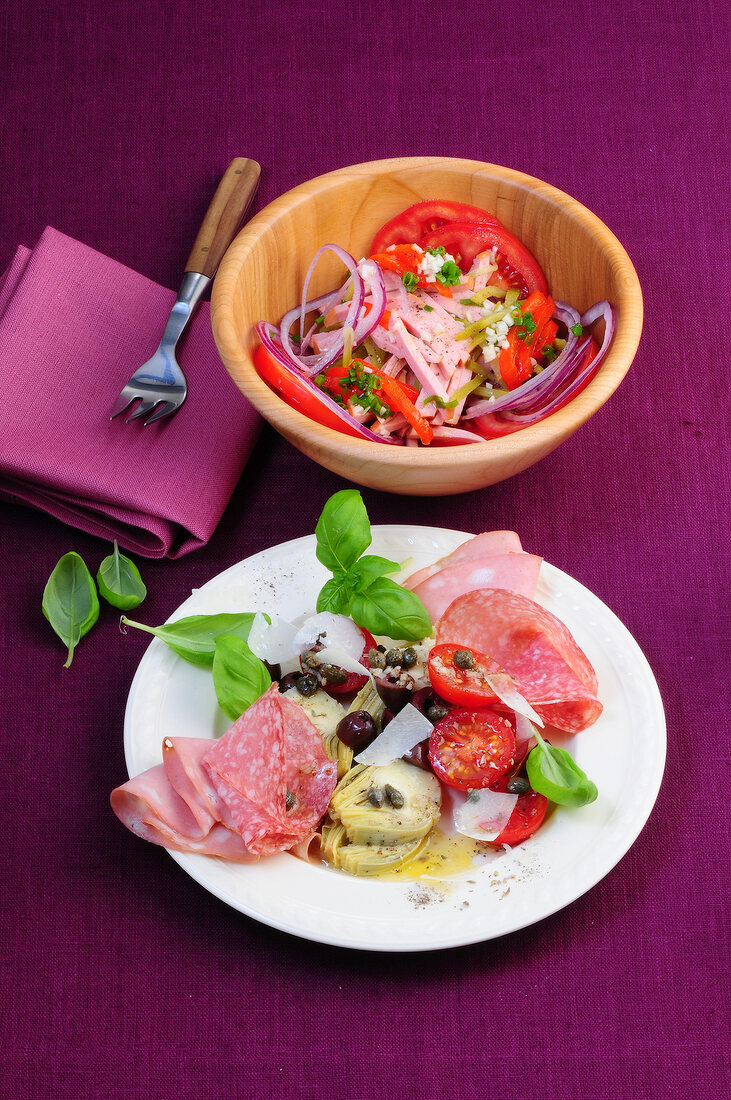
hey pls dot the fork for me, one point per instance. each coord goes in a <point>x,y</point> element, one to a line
<point>159,384</point>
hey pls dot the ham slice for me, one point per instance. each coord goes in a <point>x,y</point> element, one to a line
<point>535,647</point>
<point>262,788</point>
<point>481,546</point>
<point>516,572</point>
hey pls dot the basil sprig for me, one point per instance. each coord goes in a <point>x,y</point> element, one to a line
<point>239,677</point>
<point>359,586</point>
<point>120,582</point>
<point>70,602</point>
<point>194,638</point>
<point>553,773</point>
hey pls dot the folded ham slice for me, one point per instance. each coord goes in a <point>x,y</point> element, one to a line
<point>481,546</point>
<point>517,572</point>
<point>262,788</point>
<point>535,647</point>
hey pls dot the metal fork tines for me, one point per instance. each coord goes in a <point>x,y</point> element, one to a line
<point>159,384</point>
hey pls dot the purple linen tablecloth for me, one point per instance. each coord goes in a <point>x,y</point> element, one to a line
<point>124,978</point>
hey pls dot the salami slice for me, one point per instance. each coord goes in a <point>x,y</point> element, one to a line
<point>535,647</point>
<point>273,774</point>
<point>516,572</point>
<point>484,545</point>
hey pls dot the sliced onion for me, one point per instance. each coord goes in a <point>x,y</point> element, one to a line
<point>263,331</point>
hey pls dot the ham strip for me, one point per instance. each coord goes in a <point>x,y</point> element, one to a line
<point>516,572</point>
<point>483,545</point>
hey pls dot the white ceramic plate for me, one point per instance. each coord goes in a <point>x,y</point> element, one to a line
<point>624,753</point>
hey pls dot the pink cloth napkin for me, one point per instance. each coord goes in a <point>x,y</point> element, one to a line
<point>74,325</point>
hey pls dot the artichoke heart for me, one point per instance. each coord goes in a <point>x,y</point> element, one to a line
<point>393,805</point>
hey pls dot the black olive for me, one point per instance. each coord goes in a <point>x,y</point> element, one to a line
<point>464,658</point>
<point>394,695</point>
<point>289,681</point>
<point>307,685</point>
<point>275,671</point>
<point>357,730</point>
<point>518,785</point>
<point>408,657</point>
<point>419,755</point>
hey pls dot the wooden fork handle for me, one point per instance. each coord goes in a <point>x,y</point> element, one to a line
<point>224,216</point>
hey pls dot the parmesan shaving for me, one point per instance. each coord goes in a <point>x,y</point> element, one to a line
<point>484,814</point>
<point>402,733</point>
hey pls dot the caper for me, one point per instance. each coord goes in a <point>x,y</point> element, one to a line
<point>307,685</point>
<point>375,796</point>
<point>394,797</point>
<point>333,674</point>
<point>434,711</point>
<point>464,658</point>
<point>377,658</point>
<point>393,658</point>
<point>310,660</point>
<point>409,657</point>
<point>518,785</point>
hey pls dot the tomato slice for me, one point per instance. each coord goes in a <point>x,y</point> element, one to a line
<point>424,217</point>
<point>464,687</point>
<point>355,680</point>
<point>526,818</point>
<point>470,749</point>
<point>297,394</point>
<point>465,240</point>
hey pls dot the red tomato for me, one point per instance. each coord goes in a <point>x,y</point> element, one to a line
<point>470,749</point>
<point>355,680</point>
<point>465,687</point>
<point>464,240</point>
<point>526,818</point>
<point>412,224</point>
<point>297,394</point>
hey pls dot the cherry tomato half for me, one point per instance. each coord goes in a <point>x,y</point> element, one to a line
<point>464,241</point>
<point>470,749</point>
<point>465,687</point>
<point>424,217</point>
<point>354,680</point>
<point>526,818</point>
<point>297,394</point>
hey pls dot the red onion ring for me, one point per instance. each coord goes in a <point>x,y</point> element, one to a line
<point>264,332</point>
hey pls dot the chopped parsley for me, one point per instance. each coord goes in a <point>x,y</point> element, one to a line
<point>449,274</point>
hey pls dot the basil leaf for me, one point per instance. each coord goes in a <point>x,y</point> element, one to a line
<point>239,677</point>
<point>70,602</point>
<point>387,608</point>
<point>120,582</point>
<point>369,568</point>
<point>553,773</point>
<point>343,531</point>
<point>335,594</point>
<point>194,638</point>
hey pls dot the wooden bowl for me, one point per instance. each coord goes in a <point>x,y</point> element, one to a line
<point>262,273</point>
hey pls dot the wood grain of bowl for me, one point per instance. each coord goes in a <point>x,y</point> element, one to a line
<point>262,273</point>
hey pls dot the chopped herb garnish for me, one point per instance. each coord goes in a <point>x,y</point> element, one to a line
<point>549,353</point>
<point>450,274</point>
<point>428,309</point>
<point>320,320</point>
<point>410,280</point>
<point>525,324</point>
<point>440,250</point>
<point>577,330</point>
<point>295,338</point>
<point>466,302</point>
